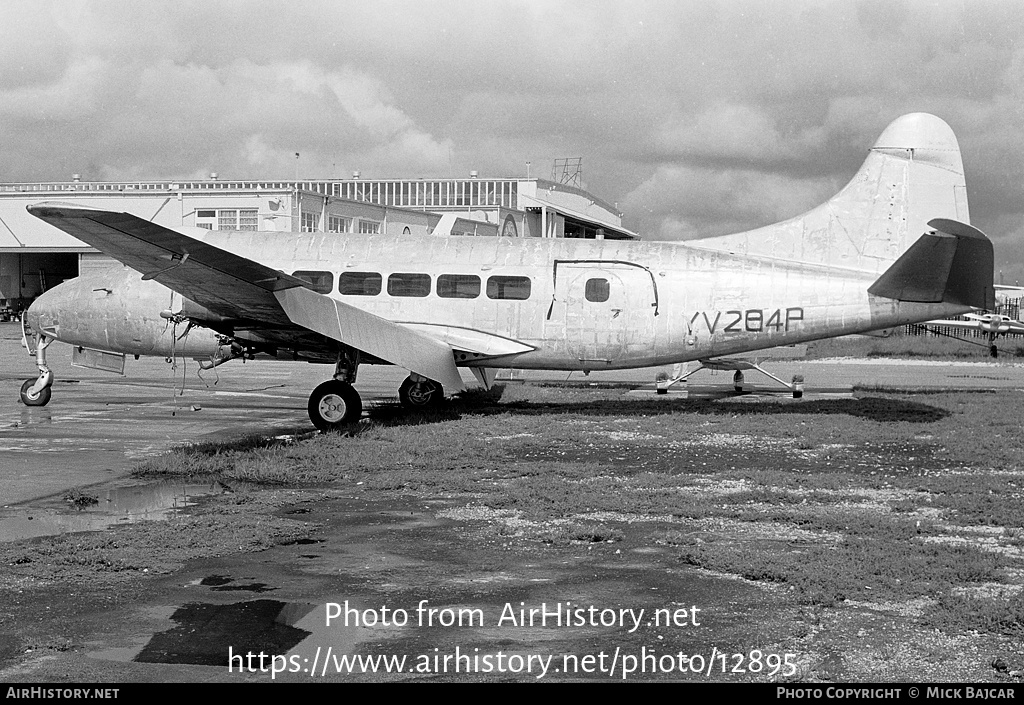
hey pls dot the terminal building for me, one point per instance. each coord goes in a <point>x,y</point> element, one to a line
<point>35,256</point>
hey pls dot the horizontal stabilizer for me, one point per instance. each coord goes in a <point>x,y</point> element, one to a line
<point>952,264</point>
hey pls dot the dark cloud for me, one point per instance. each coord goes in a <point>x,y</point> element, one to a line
<point>696,117</point>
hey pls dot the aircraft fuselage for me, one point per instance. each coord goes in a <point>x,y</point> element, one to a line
<point>577,305</point>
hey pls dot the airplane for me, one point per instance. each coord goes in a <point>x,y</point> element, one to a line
<point>892,247</point>
<point>994,324</point>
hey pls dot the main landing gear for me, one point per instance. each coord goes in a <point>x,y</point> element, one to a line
<point>336,403</point>
<point>418,392</point>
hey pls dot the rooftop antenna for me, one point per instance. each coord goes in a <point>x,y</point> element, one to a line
<point>568,171</point>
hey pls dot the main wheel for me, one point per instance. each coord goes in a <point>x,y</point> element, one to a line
<point>334,403</point>
<point>425,394</point>
<point>29,399</point>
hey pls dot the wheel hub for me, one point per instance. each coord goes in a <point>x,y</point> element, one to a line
<point>421,393</point>
<point>332,408</point>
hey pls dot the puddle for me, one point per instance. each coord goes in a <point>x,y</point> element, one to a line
<point>257,626</point>
<point>296,632</point>
<point>118,505</point>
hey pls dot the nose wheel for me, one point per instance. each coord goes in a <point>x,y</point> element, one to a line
<point>334,404</point>
<point>34,398</point>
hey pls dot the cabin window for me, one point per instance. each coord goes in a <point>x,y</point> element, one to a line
<point>500,287</point>
<point>320,282</point>
<point>458,286</point>
<point>359,283</point>
<point>369,227</point>
<point>597,290</point>
<point>408,284</point>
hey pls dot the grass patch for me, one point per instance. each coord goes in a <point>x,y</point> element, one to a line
<point>857,568</point>
<point>999,616</point>
<point>860,498</point>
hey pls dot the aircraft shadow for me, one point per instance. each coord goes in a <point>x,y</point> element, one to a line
<point>488,403</point>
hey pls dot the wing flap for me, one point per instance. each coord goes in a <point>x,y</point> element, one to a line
<point>471,340</point>
<point>372,334</point>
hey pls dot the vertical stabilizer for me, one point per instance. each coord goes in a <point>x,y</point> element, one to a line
<point>913,174</point>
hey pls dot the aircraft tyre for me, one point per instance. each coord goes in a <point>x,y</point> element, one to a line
<point>40,399</point>
<point>334,404</point>
<point>426,394</point>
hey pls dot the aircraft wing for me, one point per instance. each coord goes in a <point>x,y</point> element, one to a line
<point>248,292</point>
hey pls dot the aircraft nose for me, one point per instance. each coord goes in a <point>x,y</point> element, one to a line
<point>42,314</point>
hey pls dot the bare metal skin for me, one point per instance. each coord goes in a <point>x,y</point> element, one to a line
<point>891,248</point>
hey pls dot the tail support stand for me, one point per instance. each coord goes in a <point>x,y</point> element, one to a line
<point>736,366</point>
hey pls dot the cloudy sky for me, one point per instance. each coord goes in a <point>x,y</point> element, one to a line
<point>696,117</point>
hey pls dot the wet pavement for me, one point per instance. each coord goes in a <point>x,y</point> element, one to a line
<point>98,424</point>
<point>370,585</point>
<point>428,581</point>
<point>116,502</point>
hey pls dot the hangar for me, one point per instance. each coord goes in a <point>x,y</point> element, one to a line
<point>35,256</point>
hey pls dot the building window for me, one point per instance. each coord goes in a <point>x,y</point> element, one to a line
<point>409,284</point>
<point>310,222</point>
<point>597,290</point>
<point>339,224</point>
<point>320,282</point>
<point>241,219</point>
<point>499,287</point>
<point>369,227</point>
<point>458,286</point>
<point>359,283</point>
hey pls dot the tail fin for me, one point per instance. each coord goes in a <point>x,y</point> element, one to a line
<point>913,174</point>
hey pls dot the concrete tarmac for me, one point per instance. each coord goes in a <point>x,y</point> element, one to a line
<point>98,424</point>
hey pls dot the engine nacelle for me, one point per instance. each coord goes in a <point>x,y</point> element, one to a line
<point>115,310</point>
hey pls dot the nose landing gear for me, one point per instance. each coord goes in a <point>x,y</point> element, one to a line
<point>36,392</point>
